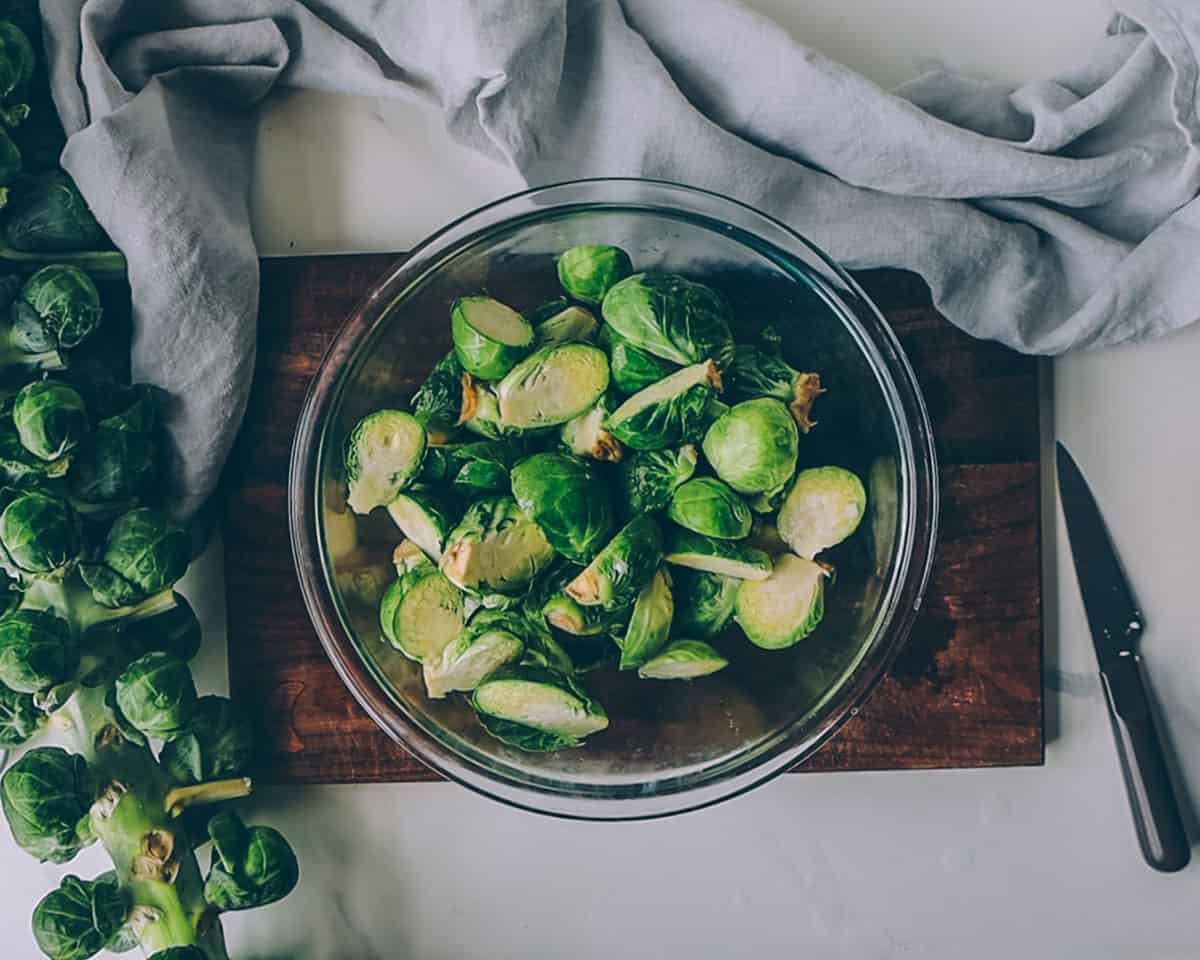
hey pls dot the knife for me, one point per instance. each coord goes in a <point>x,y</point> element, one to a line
<point>1116,625</point>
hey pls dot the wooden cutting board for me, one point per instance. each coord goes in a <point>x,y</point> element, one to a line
<point>966,692</point>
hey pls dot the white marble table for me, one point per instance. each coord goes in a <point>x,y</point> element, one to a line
<point>1037,862</point>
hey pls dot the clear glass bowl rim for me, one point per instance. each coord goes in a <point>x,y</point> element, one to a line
<point>914,435</point>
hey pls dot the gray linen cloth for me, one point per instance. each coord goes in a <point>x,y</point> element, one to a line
<point>1057,214</point>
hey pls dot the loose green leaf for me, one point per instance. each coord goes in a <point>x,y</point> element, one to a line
<point>251,867</point>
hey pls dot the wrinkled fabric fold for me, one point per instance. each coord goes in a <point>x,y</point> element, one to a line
<point>1050,216</point>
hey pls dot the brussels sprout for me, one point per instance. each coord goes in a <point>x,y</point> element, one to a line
<point>49,215</point>
<point>59,307</point>
<point>164,622</point>
<point>492,639</point>
<point>17,59</point>
<point>570,323</point>
<point>489,338</point>
<point>671,317</point>
<point>708,506</point>
<point>684,660</point>
<point>20,467</point>
<point>438,402</point>
<point>11,162</point>
<point>426,518</point>
<point>407,556</point>
<point>542,650</point>
<point>481,410</point>
<point>755,373</point>
<point>823,507</point>
<point>544,311</point>
<point>383,455</point>
<point>729,558</point>
<point>156,695</point>
<point>586,435</point>
<point>472,468</point>
<point>496,548</point>
<point>39,536</point>
<point>421,613</point>
<point>784,608</point>
<point>553,385</point>
<point>20,717</point>
<point>754,447</point>
<point>565,613</point>
<point>218,744</point>
<point>706,602</point>
<point>144,553</point>
<point>617,574</point>
<point>251,866</point>
<point>539,700</point>
<point>37,651</point>
<point>668,413</point>
<point>77,920</point>
<point>649,624</point>
<point>632,369</point>
<point>46,796</point>
<point>119,460</point>
<point>50,418</point>
<point>647,478</point>
<point>567,500</point>
<point>588,272</point>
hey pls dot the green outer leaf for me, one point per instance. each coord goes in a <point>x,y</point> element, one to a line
<point>646,479</point>
<point>756,373</point>
<point>157,696</point>
<point>708,506</point>
<point>218,744</point>
<point>617,574</point>
<point>647,421</point>
<point>632,369</point>
<point>684,660</point>
<point>587,272</point>
<point>709,602</point>
<point>650,623</point>
<point>46,795</point>
<point>754,446</point>
<point>569,502</point>
<point>37,651</point>
<point>252,866</point>
<point>437,404</point>
<point>17,58</point>
<point>688,549</point>
<point>671,317</point>
<point>49,215</point>
<point>526,738</point>
<point>77,920</point>
<point>20,719</point>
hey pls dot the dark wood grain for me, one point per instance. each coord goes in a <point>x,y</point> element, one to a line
<point>966,691</point>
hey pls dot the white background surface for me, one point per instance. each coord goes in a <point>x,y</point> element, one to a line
<point>1037,862</point>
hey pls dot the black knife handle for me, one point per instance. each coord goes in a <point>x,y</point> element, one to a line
<point>1156,816</point>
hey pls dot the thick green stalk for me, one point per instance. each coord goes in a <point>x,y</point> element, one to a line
<point>150,850</point>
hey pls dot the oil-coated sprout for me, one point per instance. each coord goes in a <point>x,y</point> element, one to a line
<point>537,709</point>
<point>625,565</point>
<point>569,502</point>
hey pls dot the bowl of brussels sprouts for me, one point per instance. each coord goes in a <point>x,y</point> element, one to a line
<point>614,499</point>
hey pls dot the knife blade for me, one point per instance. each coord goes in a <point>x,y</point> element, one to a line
<point>1116,624</point>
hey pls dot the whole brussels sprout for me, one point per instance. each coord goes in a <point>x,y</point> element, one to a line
<point>567,500</point>
<point>619,572</point>
<point>20,717</point>
<point>383,453</point>
<point>37,651</point>
<point>46,796</point>
<point>58,308</point>
<point>144,553</point>
<point>156,695</point>
<point>671,317</point>
<point>49,215</point>
<point>632,369</point>
<point>50,418</point>
<point>647,478</point>
<point>78,920</point>
<point>17,59</point>
<point>251,866</point>
<point>39,536</point>
<point>179,953</point>
<point>710,507</point>
<point>670,412</point>
<point>754,446</point>
<point>218,743</point>
<point>710,599</point>
<point>438,402</point>
<point>589,271</point>
<point>20,467</point>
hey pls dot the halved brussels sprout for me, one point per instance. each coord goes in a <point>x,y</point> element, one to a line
<point>615,578</point>
<point>671,317</point>
<point>540,700</point>
<point>491,639</point>
<point>426,518</point>
<point>569,323</point>
<point>684,660</point>
<point>632,369</point>
<point>647,478</point>
<point>784,608</point>
<point>421,613</point>
<point>823,507</point>
<point>480,411</point>
<point>754,447</point>
<point>565,613</point>
<point>544,311</point>
<point>706,601</point>
<point>586,435</point>
<point>650,622</point>
<point>489,337</point>
<point>567,500</point>
<point>438,402</point>
<point>668,413</point>
<point>553,385</point>
<point>406,556</point>
<point>708,506</point>
<point>496,548</point>
<point>755,373</point>
<point>589,271</point>
<point>383,454</point>
<point>730,558</point>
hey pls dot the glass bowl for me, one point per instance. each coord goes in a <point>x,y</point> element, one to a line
<point>671,746</point>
